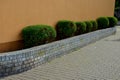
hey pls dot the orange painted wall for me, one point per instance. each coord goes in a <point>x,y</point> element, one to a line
<point>16,14</point>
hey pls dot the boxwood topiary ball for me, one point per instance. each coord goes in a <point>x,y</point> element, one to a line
<point>89,26</point>
<point>95,25</point>
<point>103,22</point>
<point>81,27</point>
<point>65,29</point>
<point>112,21</point>
<point>37,34</point>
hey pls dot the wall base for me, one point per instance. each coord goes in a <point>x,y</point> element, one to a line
<point>11,46</point>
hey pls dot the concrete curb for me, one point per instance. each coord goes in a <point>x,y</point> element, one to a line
<point>23,60</point>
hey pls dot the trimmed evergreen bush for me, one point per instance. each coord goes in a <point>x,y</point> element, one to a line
<point>37,34</point>
<point>89,26</point>
<point>81,27</point>
<point>95,25</point>
<point>65,29</point>
<point>112,21</point>
<point>103,22</point>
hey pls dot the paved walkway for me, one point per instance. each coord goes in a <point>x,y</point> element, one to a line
<point>97,61</point>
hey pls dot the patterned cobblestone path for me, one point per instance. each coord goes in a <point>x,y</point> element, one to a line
<point>97,61</point>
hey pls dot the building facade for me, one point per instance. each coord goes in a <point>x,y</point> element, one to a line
<point>16,14</point>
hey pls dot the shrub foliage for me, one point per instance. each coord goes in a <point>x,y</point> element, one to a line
<point>95,25</point>
<point>81,27</point>
<point>37,34</point>
<point>65,29</point>
<point>103,22</point>
<point>89,26</point>
<point>112,21</point>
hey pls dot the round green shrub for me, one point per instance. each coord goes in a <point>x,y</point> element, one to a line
<point>89,26</point>
<point>37,34</point>
<point>81,28</point>
<point>65,29</point>
<point>103,22</point>
<point>112,21</point>
<point>95,25</point>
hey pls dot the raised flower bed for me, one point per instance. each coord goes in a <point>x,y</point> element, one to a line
<point>37,52</point>
<point>23,60</point>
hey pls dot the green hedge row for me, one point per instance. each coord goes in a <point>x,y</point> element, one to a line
<point>40,34</point>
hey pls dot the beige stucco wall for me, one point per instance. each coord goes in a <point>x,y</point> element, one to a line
<point>16,14</point>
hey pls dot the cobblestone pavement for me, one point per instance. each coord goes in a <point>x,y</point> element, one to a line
<point>97,61</point>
